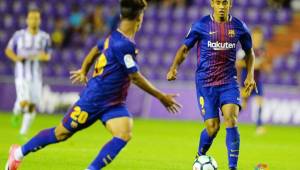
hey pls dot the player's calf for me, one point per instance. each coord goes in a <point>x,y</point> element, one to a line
<point>208,135</point>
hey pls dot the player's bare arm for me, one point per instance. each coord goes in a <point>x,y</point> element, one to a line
<point>257,65</point>
<point>79,76</point>
<point>166,99</point>
<point>250,63</point>
<point>179,58</point>
<point>12,55</point>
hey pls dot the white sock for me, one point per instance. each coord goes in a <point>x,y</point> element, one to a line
<point>27,120</point>
<point>18,154</point>
<point>17,109</point>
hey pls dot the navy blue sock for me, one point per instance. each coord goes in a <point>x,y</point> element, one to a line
<point>107,153</point>
<point>42,139</point>
<point>259,121</point>
<point>205,142</point>
<point>233,146</point>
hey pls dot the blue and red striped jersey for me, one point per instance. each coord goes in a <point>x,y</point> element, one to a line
<point>216,48</point>
<point>110,81</point>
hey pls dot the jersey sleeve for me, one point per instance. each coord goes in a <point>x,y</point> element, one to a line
<point>245,39</point>
<point>126,56</point>
<point>12,43</point>
<point>100,44</point>
<point>48,46</point>
<point>193,35</point>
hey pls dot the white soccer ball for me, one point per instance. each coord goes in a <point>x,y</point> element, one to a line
<point>205,162</point>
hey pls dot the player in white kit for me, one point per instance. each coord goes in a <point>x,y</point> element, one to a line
<point>28,48</point>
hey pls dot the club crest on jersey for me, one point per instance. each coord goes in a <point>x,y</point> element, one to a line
<point>231,33</point>
<point>219,46</point>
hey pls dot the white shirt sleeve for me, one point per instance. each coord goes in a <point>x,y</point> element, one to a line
<point>13,41</point>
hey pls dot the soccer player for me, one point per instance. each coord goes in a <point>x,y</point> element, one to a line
<point>217,36</point>
<point>104,96</point>
<point>27,48</point>
<point>259,49</point>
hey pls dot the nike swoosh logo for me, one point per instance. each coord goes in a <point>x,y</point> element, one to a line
<point>234,150</point>
<point>211,32</point>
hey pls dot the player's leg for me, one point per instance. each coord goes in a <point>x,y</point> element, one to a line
<point>34,88</point>
<point>42,139</point>
<point>17,114</point>
<point>208,134</point>
<point>21,103</point>
<point>28,118</point>
<point>230,106</point>
<point>260,129</point>
<point>208,104</point>
<point>230,112</point>
<point>119,123</point>
<point>76,119</point>
<point>25,102</point>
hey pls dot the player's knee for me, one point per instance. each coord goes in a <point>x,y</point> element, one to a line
<point>23,104</point>
<point>62,135</point>
<point>213,129</point>
<point>126,136</point>
<point>230,120</point>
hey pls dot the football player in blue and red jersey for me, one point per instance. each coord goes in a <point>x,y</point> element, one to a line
<point>104,96</point>
<point>216,37</point>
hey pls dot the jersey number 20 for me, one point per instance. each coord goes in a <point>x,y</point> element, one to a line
<point>79,116</point>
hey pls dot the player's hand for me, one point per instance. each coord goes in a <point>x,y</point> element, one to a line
<point>19,59</point>
<point>172,75</point>
<point>78,77</point>
<point>250,85</point>
<point>168,100</point>
<point>44,57</point>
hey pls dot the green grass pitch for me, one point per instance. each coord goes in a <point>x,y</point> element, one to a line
<point>156,145</point>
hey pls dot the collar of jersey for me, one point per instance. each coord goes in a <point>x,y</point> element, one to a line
<point>213,19</point>
<point>131,40</point>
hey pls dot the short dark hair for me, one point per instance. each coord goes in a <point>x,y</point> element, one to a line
<point>131,9</point>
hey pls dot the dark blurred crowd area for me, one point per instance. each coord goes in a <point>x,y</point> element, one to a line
<point>80,25</point>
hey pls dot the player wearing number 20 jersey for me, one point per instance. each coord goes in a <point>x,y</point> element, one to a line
<point>104,95</point>
<point>109,85</point>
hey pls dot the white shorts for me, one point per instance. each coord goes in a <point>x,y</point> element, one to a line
<point>30,91</point>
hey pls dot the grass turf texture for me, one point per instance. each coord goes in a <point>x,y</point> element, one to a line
<point>156,145</point>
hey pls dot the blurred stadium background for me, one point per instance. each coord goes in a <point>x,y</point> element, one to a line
<point>77,25</point>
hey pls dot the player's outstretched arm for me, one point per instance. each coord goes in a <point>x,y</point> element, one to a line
<point>12,55</point>
<point>79,76</point>
<point>250,63</point>
<point>90,59</point>
<point>179,58</point>
<point>168,100</point>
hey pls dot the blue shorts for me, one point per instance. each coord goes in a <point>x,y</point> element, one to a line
<point>82,116</point>
<point>211,99</point>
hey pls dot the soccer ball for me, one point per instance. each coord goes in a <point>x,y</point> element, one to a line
<point>205,162</point>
